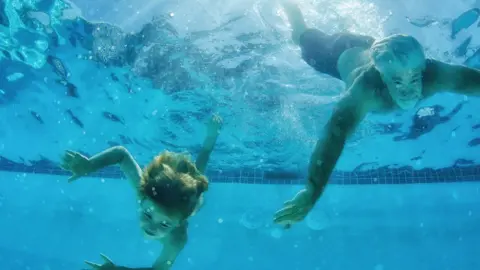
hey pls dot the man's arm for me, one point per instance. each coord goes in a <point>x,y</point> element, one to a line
<point>117,155</point>
<point>440,76</point>
<point>347,115</point>
<point>213,130</point>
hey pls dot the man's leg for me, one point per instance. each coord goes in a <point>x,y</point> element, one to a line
<point>296,20</point>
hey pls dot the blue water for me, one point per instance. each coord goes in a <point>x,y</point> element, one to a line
<point>90,75</point>
<point>49,224</point>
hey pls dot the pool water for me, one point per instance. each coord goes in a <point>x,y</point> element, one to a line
<point>147,75</point>
<point>49,224</point>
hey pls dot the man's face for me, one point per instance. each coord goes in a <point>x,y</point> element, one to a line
<point>403,77</point>
<point>404,86</point>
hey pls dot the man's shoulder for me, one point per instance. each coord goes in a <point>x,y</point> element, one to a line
<point>433,76</point>
<point>431,66</point>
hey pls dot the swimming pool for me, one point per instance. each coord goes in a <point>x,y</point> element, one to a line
<point>49,224</point>
<point>405,194</point>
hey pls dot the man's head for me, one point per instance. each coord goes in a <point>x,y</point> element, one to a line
<point>171,190</point>
<point>400,60</point>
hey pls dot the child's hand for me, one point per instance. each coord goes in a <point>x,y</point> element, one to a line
<point>214,125</point>
<point>77,164</point>
<point>108,265</point>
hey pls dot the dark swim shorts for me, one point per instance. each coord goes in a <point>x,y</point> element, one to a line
<point>321,51</point>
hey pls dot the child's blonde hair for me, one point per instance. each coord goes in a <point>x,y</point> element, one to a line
<point>172,181</point>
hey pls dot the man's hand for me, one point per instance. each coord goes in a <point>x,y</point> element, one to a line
<point>214,126</point>
<point>296,209</point>
<point>77,164</point>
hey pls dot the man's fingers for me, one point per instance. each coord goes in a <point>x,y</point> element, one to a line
<point>66,159</point>
<point>65,166</point>
<point>284,211</point>
<point>289,203</point>
<point>286,214</point>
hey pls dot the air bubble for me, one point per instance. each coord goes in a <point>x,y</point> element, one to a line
<point>253,219</point>
<point>317,220</point>
<point>276,233</point>
<point>220,221</point>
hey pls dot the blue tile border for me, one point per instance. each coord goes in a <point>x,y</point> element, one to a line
<point>379,176</point>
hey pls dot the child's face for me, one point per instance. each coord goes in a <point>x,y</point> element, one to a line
<point>154,220</point>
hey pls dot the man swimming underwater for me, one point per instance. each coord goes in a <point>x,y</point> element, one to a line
<point>380,76</point>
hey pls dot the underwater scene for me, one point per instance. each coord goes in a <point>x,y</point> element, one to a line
<point>253,134</point>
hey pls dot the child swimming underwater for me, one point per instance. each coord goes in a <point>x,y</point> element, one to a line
<point>170,190</point>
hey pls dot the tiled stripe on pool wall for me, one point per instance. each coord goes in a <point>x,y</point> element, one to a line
<point>380,176</point>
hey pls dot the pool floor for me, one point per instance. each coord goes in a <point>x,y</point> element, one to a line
<point>49,224</point>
